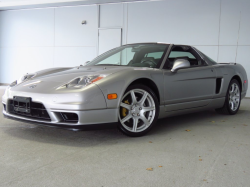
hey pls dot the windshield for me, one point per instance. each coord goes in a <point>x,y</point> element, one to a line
<point>136,55</point>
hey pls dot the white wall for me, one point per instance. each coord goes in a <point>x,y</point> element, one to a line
<point>42,38</point>
<point>35,39</point>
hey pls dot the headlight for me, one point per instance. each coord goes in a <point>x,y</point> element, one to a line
<point>13,83</point>
<point>22,79</point>
<point>81,82</point>
<point>25,77</point>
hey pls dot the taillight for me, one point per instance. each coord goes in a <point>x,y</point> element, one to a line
<point>245,81</point>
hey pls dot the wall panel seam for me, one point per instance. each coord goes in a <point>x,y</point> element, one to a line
<point>54,37</point>
<point>219,34</point>
<point>238,38</point>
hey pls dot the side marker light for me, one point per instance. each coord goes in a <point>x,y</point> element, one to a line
<point>112,96</point>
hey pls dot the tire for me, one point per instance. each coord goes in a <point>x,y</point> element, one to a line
<point>138,111</point>
<point>233,99</point>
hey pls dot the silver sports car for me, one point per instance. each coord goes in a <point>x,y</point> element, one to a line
<point>132,86</point>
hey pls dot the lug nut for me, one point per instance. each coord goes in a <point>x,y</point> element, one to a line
<point>140,108</point>
<point>134,114</point>
<point>138,114</point>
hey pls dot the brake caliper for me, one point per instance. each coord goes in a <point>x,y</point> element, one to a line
<point>124,110</point>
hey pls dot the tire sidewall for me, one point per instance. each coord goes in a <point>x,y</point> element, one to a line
<point>137,134</point>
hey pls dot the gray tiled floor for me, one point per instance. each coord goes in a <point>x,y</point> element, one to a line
<point>210,154</point>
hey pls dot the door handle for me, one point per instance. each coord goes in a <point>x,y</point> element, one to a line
<point>212,70</point>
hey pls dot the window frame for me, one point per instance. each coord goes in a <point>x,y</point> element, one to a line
<point>193,52</point>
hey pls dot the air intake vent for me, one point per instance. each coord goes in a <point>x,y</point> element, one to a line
<point>69,117</point>
<point>218,85</point>
<point>4,107</point>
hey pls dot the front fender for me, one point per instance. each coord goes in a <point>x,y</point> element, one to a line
<point>119,82</point>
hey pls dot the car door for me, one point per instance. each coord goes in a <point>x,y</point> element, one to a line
<point>191,87</point>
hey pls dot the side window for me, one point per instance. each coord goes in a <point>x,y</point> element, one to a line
<point>183,52</point>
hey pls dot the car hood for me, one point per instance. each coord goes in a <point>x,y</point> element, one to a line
<point>66,74</point>
<point>48,81</point>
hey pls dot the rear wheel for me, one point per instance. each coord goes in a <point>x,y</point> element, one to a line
<point>233,99</point>
<point>138,111</point>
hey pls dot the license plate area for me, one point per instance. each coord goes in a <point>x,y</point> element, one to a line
<point>22,104</point>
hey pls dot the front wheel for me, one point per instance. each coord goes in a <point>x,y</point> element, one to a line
<point>233,99</point>
<point>138,111</point>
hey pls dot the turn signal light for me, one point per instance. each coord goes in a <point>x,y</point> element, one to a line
<point>245,81</point>
<point>97,79</point>
<point>112,96</point>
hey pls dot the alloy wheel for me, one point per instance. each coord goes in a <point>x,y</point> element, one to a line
<point>234,97</point>
<point>137,110</point>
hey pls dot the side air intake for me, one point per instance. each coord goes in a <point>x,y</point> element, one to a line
<point>218,85</point>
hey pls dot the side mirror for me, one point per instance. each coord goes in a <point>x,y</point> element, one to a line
<point>180,64</point>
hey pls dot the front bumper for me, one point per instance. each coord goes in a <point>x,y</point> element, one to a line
<point>62,125</point>
<point>89,104</point>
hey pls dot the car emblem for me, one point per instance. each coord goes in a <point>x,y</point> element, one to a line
<point>33,86</point>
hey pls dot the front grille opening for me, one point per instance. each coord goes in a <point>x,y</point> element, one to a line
<point>69,117</point>
<point>32,110</point>
<point>4,107</point>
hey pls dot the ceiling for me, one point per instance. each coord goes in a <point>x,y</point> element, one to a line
<point>24,4</point>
